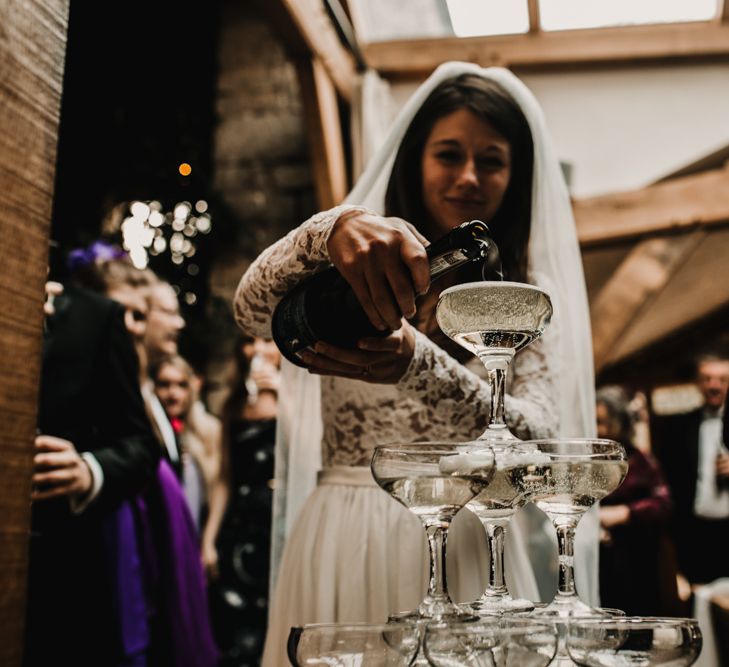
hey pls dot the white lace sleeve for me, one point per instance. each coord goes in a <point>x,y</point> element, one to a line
<point>454,395</point>
<point>278,268</point>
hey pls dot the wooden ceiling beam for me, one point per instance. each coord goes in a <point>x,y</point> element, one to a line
<point>307,32</point>
<point>695,200</point>
<point>628,44</point>
<point>636,282</point>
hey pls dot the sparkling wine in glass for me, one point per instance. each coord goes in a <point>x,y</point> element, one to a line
<point>564,478</point>
<point>495,506</point>
<point>434,481</point>
<point>361,644</point>
<point>506,642</point>
<point>635,641</point>
<point>494,320</point>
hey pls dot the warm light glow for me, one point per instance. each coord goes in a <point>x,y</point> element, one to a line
<point>156,219</point>
<point>140,210</point>
<point>182,210</point>
<point>203,224</point>
<point>144,231</point>
<point>185,169</point>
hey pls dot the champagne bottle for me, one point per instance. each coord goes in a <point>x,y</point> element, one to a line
<point>323,307</point>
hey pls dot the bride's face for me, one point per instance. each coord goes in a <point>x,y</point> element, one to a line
<point>466,168</point>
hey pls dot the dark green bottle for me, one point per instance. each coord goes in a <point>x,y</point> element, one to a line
<point>323,307</point>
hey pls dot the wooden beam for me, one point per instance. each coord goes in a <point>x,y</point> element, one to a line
<point>324,130</point>
<point>307,31</point>
<point>695,200</point>
<point>32,54</point>
<point>635,283</point>
<point>535,23</point>
<point>629,44</point>
<point>724,15</point>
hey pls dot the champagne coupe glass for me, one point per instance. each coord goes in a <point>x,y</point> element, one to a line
<point>564,479</point>
<point>506,642</point>
<point>434,481</point>
<point>634,640</point>
<point>494,320</point>
<point>347,645</point>
<point>562,658</point>
<point>495,506</point>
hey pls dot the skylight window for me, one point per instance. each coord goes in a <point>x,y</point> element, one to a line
<point>470,18</point>
<point>573,14</point>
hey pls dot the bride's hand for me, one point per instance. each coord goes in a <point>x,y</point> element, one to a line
<point>376,360</point>
<point>384,261</point>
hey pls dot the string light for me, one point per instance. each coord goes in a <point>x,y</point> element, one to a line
<point>149,230</point>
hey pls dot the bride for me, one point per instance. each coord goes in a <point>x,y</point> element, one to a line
<point>470,143</point>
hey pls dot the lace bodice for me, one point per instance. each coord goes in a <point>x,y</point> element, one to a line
<point>437,397</point>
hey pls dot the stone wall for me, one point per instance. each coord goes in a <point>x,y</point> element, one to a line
<point>262,169</point>
<point>261,163</point>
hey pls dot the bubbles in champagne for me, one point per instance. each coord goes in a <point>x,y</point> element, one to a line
<point>434,498</point>
<point>493,314</point>
<point>568,487</point>
<point>500,499</point>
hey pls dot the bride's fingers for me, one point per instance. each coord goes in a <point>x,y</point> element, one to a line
<point>322,363</point>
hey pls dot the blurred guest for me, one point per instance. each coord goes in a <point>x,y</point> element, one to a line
<point>633,518</point>
<point>153,533</point>
<point>696,464</point>
<point>210,431</point>
<point>249,423</point>
<point>207,494</point>
<point>164,325</point>
<point>148,306</point>
<point>96,451</point>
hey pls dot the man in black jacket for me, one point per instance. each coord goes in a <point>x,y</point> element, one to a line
<point>696,465</point>
<point>95,449</point>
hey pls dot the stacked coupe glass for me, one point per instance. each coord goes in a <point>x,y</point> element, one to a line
<point>494,476</point>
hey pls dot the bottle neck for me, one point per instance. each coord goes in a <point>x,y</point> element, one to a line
<point>447,260</point>
<point>469,242</point>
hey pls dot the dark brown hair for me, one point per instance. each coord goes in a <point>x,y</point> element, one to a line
<point>511,224</point>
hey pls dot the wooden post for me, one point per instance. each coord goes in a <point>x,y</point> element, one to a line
<point>324,131</point>
<point>32,52</point>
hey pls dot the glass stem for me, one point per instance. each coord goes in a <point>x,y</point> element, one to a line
<point>437,585</point>
<point>565,544</point>
<point>496,534</point>
<point>497,379</point>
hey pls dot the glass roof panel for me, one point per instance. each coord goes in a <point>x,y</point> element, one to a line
<point>573,14</point>
<point>384,20</point>
<point>488,17</point>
